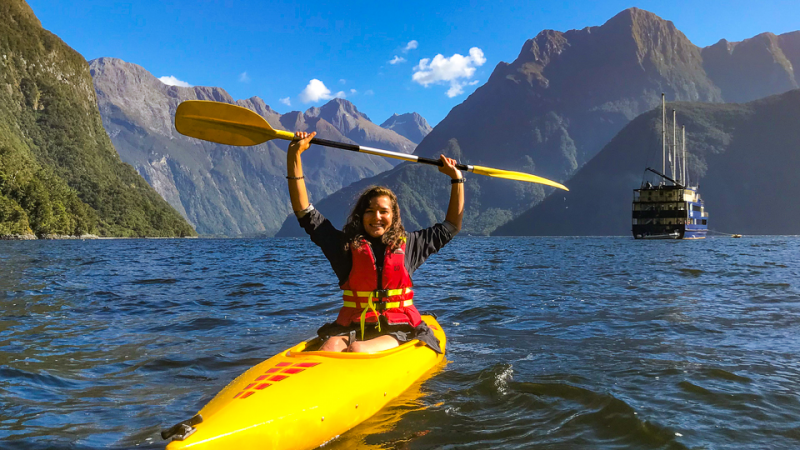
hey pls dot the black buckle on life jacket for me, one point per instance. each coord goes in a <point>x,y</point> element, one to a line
<point>183,430</point>
<point>380,293</point>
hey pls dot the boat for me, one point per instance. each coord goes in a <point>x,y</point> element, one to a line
<point>669,207</point>
<point>302,398</point>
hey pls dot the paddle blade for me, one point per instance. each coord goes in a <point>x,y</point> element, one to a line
<point>519,176</point>
<point>224,123</point>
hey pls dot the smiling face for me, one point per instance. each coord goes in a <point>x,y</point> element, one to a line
<point>378,216</point>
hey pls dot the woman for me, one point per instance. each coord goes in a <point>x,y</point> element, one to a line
<point>374,258</point>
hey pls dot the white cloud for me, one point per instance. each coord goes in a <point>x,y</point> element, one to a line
<point>458,88</point>
<point>286,101</point>
<point>172,81</point>
<point>316,91</point>
<point>342,80</point>
<point>353,91</point>
<point>410,46</point>
<point>455,70</point>
<point>243,78</point>
<point>397,60</point>
<point>369,92</point>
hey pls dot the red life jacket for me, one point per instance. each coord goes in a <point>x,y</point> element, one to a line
<point>393,299</point>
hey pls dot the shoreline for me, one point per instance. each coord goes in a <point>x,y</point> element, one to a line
<point>66,237</point>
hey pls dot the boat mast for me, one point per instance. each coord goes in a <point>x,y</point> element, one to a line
<point>685,177</point>
<point>674,146</point>
<point>663,134</point>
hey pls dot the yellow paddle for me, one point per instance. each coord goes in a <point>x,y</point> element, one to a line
<point>228,124</point>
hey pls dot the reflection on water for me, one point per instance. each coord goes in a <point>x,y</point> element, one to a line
<point>553,342</point>
<point>381,431</point>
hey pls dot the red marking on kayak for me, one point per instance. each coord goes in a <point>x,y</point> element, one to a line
<point>240,393</point>
<point>247,394</point>
<point>273,370</point>
<point>263,386</point>
<point>434,327</point>
<point>278,378</point>
<point>292,370</point>
<point>249,386</point>
<point>283,364</point>
<point>308,364</point>
<point>262,377</point>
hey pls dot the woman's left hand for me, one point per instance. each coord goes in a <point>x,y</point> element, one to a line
<point>449,167</point>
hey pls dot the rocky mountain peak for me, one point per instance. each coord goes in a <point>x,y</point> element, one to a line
<point>644,26</point>
<point>339,112</point>
<point>121,73</point>
<point>258,105</point>
<point>654,39</point>
<point>314,111</point>
<point>338,109</point>
<point>543,47</point>
<point>723,45</point>
<point>140,93</point>
<point>740,69</point>
<point>635,17</point>
<point>412,126</point>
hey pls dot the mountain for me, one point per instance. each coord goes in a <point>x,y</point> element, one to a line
<point>410,125</point>
<point>740,69</point>
<point>357,127</point>
<point>59,173</point>
<point>226,190</point>
<point>745,157</point>
<point>564,97</point>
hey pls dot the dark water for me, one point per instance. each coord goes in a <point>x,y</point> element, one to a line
<point>555,343</point>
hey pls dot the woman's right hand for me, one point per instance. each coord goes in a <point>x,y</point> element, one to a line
<point>300,145</point>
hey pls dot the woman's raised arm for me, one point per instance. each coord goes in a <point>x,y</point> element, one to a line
<point>455,210</point>
<point>294,168</point>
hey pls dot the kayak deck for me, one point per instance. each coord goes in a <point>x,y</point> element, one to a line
<point>301,399</point>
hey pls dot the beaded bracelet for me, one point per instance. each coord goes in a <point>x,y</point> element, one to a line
<point>295,178</point>
<point>458,180</point>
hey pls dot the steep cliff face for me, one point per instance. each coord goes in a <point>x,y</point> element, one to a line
<point>744,157</point>
<point>565,96</point>
<point>412,126</point>
<point>224,190</point>
<point>790,46</point>
<point>753,68</point>
<point>59,173</point>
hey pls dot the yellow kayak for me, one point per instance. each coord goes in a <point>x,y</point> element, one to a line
<point>301,400</point>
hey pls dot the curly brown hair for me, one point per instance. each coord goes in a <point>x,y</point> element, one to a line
<point>354,228</point>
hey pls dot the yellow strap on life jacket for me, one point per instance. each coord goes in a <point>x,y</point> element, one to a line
<point>389,293</point>
<point>369,306</point>
<point>389,305</point>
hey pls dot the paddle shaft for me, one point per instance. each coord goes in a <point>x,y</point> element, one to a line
<point>228,124</point>
<point>379,152</point>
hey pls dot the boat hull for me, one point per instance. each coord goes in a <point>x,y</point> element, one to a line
<point>674,232</point>
<point>299,400</point>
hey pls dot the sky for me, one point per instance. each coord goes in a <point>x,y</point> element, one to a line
<point>386,57</point>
